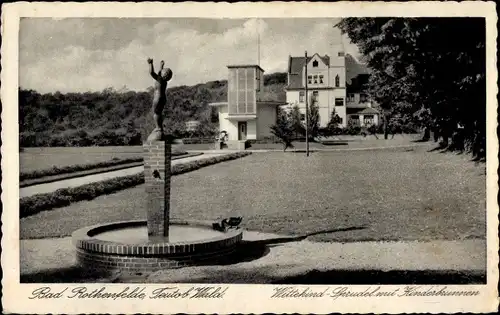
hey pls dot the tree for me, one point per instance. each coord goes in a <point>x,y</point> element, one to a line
<point>206,129</point>
<point>313,118</point>
<point>296,121</point>
<point>431,64</point>
<point>283,129</point>
<point>333,124</point>
<point>423,117</point>
<point>53,117</point>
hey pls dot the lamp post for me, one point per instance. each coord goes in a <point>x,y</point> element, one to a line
<point>307,108</point>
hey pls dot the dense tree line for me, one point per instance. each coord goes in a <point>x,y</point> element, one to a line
<point>430,71</point>
<point>112,117</point>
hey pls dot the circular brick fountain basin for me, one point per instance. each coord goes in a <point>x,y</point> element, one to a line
<point>125,246</point>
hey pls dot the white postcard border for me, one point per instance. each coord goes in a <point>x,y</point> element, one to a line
<point>238,298</point>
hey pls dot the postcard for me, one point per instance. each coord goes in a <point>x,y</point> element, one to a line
<point>249,157</point>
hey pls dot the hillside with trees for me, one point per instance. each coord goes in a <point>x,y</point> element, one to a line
<point>120,117</point>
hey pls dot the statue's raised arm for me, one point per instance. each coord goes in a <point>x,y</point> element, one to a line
<point>152,69</point>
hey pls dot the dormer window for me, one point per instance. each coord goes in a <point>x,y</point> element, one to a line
<point>315,63</point>
<point>337,80</point>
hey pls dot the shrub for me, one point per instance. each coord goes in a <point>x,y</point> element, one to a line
<point>265,140</point>
<point>283,129</point>
<point>198,140</point>
<point>65,196</point>
<point>333,125</point>
<point>353,128</point>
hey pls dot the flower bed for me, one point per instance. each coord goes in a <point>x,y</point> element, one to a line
<point>65,196</point>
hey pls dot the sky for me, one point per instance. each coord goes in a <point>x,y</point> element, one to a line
<point>91,54</point>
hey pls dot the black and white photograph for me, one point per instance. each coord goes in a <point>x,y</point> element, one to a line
<point>336,161</point>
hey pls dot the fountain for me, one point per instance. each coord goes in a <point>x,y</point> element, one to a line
<point>158,242</point>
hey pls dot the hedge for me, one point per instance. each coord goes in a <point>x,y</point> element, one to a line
<point>194,165</point>
<point>198,140</point>
<point>65,196</point>
<point>81,167</point>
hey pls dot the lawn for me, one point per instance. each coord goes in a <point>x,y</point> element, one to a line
<point>44,158</point>
<point>32,159</point>
<point>397,194</point>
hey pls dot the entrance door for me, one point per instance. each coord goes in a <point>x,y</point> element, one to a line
<point>242,130</point>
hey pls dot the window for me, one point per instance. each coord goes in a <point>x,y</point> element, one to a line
<point>350,97</point>
<point>321,79</point>
<point>301,96</point>
<point>363,98</point>
<point>368,120</point>
<point>315,63</point>
<point>341,54</point>
<point>309,79</point>
<point>302,117</point>
<point>315,96</point>
<point>339,101</point>
<point>354,119</point>
<point>337,80</point>
<point>315,79</point>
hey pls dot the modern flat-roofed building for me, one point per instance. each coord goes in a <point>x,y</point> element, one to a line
<point>245,116</point>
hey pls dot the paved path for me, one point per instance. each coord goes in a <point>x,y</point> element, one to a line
<point>284,259</point>
<point>78,181</point>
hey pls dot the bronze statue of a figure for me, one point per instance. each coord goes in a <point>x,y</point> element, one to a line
<point>160,98</point>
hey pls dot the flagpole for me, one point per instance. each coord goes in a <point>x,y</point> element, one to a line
<point>258,43</point>
<point>258,49</point>
<point>307,108</point>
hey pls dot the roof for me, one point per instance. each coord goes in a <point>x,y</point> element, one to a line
<point>295,82</point>
<point>353,68</point>
<point>243,117</point>
<point>218,104</point>
<point>275,103</point>
<point>362,111</point>
<point>296,66</point>
<point>245,66</point>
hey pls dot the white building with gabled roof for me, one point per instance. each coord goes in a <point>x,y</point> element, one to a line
<point>334,83</point>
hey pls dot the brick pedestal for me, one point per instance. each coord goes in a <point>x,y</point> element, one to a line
<point>157,163</point>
